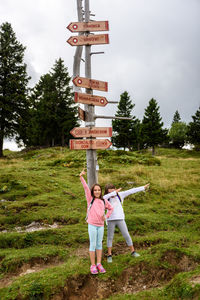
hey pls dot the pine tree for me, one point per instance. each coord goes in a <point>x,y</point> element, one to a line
<point>53,113</point>
<point>67,111</point>
<point>193,133</point>
<point>139,143</point>
<point>13,84</point>
<point>176,117</point>
<point>43,126</point>
<point>152,131</point>
<point>124,129</point>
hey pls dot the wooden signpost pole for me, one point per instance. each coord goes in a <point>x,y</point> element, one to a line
<point>90,154</point>
<point>89,134</point>
<point>79,50</point>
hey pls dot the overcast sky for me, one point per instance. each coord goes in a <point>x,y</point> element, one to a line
<point>153,52</point>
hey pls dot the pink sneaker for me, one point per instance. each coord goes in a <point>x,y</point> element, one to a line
<point>93,269</point>
<point>101,268</point>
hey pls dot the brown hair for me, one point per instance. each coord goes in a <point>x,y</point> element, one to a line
<point>92,190</point>
<point>107,187</point>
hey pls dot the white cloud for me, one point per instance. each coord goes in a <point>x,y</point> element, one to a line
<point>153,51</point>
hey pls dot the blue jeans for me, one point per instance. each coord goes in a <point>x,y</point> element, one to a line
<point>96,237</point>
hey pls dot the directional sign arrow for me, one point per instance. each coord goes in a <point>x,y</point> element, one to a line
<point>90,99</point>
<point>91,132</point>
<point>90,144</point>
<point>91,39</point>
<point>91,83</point>
<point>88,26</point>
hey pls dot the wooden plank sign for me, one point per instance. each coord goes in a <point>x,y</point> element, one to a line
<point>90,144</point>
<point>90,99</point>
<point>88,26</point>
<point>81,114</point>
<point>91,39</point>
<point>91,132</point>
<point>90,83</point>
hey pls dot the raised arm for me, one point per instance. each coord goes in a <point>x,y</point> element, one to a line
<point>86,187</point>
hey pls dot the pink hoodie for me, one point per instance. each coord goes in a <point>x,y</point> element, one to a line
<point>97,210</point>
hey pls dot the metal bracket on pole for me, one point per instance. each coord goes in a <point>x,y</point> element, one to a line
<point>112,117</point>
<point>100,52</point>
<point>90,124</point>
<point>113,102</point>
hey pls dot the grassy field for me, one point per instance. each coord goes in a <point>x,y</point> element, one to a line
<point>44,239</point>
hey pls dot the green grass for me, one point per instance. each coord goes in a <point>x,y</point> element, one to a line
<point>43,186</point>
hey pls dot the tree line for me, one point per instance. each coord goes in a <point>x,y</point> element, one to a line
<point>39,116</point>
<point>45,114</point>
<point>136,135</point>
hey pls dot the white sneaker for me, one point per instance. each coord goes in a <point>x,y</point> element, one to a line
<point>109,258</point>
<point>135,254</point>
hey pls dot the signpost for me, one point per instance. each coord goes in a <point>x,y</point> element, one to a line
<point>91,132</point>
<point>91,83</point>
<point>91,39</point>
<point>90,144</point>
<point>88,26</point>
<point>90,99</point>
<point>84,38</point>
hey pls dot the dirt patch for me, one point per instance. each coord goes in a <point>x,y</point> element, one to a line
<point>195,280</point>
<point>181,262</point>
<point>82,251</point>
<point>132,280</point>
<point>35,265</point>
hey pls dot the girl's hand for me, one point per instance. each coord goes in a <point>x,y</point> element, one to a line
<point>104,218</point>
<point>82,172</point>
<point>146,187</point>
<point>118,190</point>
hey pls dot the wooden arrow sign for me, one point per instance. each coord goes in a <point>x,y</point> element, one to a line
<point>90,144</point>
<point>90,99</point>
<point>91,39</point>
<point>88,26</point>
<point>90,83</point>
<point>91,132</point>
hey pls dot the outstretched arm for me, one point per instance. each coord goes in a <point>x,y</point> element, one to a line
<point>134,190</point>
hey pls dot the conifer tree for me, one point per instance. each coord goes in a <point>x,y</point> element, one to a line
<point>124,129</point>
<point>193,133</point>
<point>67,111</point>
<point>176,117</point>
<point>53,112</point>
<point>153,133</point>
<point>13,84</point>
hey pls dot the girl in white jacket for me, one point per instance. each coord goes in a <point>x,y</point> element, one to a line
<point>117,217</point>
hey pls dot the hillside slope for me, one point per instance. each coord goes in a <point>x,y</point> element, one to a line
<point>44,239</point>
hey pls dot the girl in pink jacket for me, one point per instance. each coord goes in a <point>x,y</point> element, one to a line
<point>95,218</point>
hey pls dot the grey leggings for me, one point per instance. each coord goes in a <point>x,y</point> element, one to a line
<point>121,224</point>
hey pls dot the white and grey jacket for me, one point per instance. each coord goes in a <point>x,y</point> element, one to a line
<point>118,212</point>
